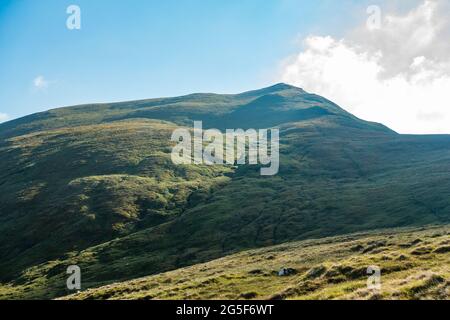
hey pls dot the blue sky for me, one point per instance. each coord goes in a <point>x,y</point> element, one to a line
<point>139,49</point>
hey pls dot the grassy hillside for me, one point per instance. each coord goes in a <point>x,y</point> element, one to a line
<point>94,186</point>
<point>414,263</point>
<point>68,189</point>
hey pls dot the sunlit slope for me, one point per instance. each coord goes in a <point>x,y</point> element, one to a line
<point>414,264</point>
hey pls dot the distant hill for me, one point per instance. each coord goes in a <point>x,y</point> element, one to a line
<point>94,185</point>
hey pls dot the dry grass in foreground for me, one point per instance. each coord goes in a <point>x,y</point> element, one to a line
<point>415,264</point>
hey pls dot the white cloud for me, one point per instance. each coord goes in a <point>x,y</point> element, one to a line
<point>40,83</point>
<point>3,117</point>
<point>398,75</point>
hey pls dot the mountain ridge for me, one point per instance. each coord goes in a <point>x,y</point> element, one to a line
<point>225,104</point>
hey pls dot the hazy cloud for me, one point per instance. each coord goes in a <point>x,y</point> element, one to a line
<point>398,74</point>
<point>40,83</point>
<point>3,117</point>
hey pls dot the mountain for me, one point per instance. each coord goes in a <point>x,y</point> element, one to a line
<point>94,185</point>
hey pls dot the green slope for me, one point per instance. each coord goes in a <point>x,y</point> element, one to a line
<point>70,188</point>
<point>94,185</point>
